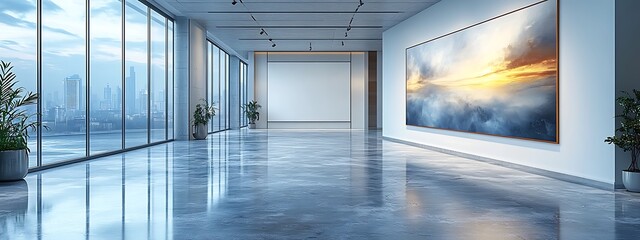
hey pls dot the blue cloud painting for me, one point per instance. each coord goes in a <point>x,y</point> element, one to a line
<point>499,77</point>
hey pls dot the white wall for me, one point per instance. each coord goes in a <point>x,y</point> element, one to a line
<point>359,79</point>
<point>190,74</point>
<point>309,91</point>
<point>181,84</point>
<point>251,76</point>
<point>354,104</point>
<point>586,87</point>
<point>260,66</point>
<point>197,67</point>
<point>234,92</point>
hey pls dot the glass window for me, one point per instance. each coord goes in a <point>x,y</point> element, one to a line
<point>246,89</point>
<point>20,49</point>
<point>215,86</point>
<point>217,90</point>
<point>87,84</point>
<point>158,78</point>
<point>226,89</point>
<point>223,91</point>
<point>64,80</point>
<point>136,83</point>
<point>105,82</point>
<point>209,82</point>
<point>170,86</point>
<point>243,93</point>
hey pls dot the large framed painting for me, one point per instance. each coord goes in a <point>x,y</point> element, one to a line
<point>497,77</point>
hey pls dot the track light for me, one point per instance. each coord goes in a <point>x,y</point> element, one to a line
<point>342,43</point>
<point>310,48</point>
<point>346,34</point>
<point>349,28</point>
<point>361,3</point>
<point>262,31</point>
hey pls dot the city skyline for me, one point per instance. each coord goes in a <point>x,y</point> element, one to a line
<point>64,46</point>
<point>74,98</point>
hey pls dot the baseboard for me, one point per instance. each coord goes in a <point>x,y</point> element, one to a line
<point>523,168</point>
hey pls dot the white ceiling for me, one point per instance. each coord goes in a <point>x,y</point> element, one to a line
<point>293,24</point>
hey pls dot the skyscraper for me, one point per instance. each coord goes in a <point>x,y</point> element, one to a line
<point>143,97</point>
<point>117,99</point>
<point>107,98</point>
<point>130,95</point>
<point>73,93</point>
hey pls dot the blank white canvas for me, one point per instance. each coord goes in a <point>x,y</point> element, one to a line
<point>309,91</point>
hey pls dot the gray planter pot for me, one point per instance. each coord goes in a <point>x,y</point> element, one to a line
<point>252,126</point>
<point>631,181</point>
<point>200,132</point>
<point>14,165</point>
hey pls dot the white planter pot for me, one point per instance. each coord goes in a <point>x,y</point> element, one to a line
<point>631,181</point>
<point>252,126</point>
<point>14,165</point>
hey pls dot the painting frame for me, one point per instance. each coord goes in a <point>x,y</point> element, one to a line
<point>557,78</point>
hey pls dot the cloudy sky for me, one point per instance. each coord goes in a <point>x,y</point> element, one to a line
<point>495,78</point>
<point>63,42</point>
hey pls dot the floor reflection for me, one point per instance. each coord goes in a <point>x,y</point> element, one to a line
<point>478,211</point>
<point>14,208</point>
<point>305,184</point>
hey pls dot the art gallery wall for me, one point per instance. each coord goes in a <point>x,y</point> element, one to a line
<point>311,90</point>
<point>587,88</point>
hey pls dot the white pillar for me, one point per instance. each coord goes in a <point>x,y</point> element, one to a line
<point>234,92</point>
<point>190,78</point>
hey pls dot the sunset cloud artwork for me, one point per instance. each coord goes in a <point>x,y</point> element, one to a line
<point>499,77</point>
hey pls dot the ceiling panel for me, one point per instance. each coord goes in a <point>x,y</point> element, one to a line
<point>294,24</point>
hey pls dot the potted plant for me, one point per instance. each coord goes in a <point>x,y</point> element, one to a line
<point>628,137</point>
<point>251,110</point>
<point>15,124</point>
<point>204,112</point>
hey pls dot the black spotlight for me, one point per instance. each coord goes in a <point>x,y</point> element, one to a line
<point>349,28</point>
<point>346,34</point>
<point>361,3</point>
<point>234,2</point>
<point>274,45</point>
<point>270,39</point>
<point>342,43</point>
<point>261,31</point>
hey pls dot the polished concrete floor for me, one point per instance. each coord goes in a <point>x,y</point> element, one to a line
<point>295,184</point>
